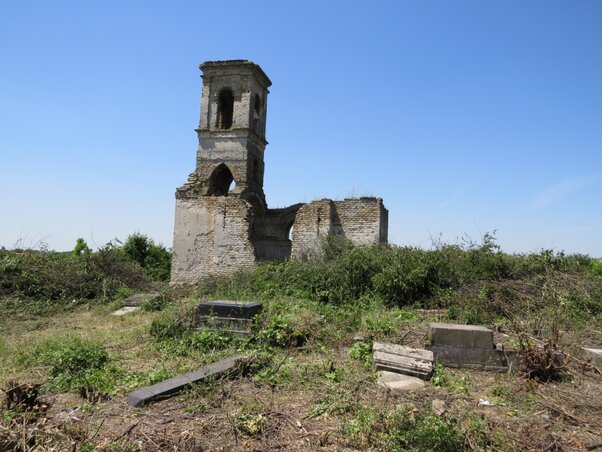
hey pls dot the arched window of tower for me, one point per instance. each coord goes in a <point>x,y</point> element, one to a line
<point>221,181</point>
<point>225,109</point>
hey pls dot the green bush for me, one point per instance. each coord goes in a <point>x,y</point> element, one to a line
<point>35,282</point>
<point>73,356</point>
<point>209,341</point>
<point>362,351</point>
<point>281,332</point>
<point>71,361</point>
<point>152,257</point>
<point>167,327</point>
<point>403,429</point>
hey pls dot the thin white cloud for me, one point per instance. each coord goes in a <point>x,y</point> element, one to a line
<point>456,195</point>
<point>561,191</point>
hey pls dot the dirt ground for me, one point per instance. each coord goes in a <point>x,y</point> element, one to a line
<point>314,394</point>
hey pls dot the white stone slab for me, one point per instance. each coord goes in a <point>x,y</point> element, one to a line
<point>126,310</point>
<point>399,382</point>
<point>595,354</point>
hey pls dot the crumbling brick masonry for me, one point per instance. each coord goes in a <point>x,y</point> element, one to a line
<point>222,219</point>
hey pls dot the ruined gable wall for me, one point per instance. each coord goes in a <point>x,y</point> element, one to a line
<point>361,220</point>
<point>312,223</point>
<point>212,235</point>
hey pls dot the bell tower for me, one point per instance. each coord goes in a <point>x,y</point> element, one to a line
<point>231,132</point>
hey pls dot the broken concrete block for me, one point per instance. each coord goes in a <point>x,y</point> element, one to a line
<point>404,360</point>
<point>399,382</point>
<point>450,334</point>
<point>176,384</point>
<point>595,354</point>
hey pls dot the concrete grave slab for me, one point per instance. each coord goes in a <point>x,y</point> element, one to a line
<point>476,358</point>
<point>399,382</point>
<point>230,308</point>
<point>450,334</point>
<point>233,316</point>
<point>139,298</point>
<point>176,384</point>
<point>404,360</point>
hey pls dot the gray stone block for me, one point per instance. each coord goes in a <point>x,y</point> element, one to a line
<point>176,384</point>
<point>449,334</point>
<point>475,358</point>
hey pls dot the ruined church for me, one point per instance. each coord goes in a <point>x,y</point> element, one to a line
<point>222,220</point>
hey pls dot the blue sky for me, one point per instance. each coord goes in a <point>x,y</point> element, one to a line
<point>465,116</point>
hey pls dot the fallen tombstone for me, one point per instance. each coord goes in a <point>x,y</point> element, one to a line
<point>399,382</point>
<point>229,315</point>
<point>172,386</point>
<point>403,360</point>
<point>469,346</point>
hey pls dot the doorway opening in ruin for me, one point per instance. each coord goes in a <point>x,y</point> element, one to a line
<point>290,231</point>
<point>225,109</point>
<point>221,181</point>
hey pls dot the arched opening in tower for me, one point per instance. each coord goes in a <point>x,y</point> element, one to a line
<point>225,109</point>
<point>221,181</point>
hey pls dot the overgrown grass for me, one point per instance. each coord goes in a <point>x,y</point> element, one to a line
<point>34,283</point>
<point>301,342</point>
<point>476,282</point>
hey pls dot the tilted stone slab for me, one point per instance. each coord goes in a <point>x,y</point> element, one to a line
<point>451,334</point>
<point>476,358</point>
<point>139,298</point>
<point>176,384</point>
<point>403,360</point>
